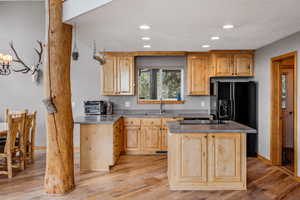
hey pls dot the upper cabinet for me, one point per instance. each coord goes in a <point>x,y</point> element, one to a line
<point>233,64</point>
<point>223,64</point>
<point>118,75</point>
<point>243,64</point>
<point>108,86</point>
<point>199,72</point>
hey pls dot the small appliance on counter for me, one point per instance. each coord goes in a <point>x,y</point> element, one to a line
<point>236,101</point>
<point>109,108</point>
<point>95,107</point>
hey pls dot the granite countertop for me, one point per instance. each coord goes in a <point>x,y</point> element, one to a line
<point>110,119</point>
<point>227,127</point>
<point>166,115</point>
<point>97,119</point>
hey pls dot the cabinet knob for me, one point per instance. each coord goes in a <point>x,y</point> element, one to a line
<point>213,136</point>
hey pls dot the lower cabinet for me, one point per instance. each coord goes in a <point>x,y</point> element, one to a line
<point>151,138</point>
<point>164,139</point>
<point>100,146</point>
<point>213,161</point>
<point>132,139</point>
<point>225,157</point>
<point>192,168</point>
<point>145,135</point>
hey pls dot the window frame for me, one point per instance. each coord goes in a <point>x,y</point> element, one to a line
<point>164,101</point>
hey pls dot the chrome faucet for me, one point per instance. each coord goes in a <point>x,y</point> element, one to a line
<point>161,110</point>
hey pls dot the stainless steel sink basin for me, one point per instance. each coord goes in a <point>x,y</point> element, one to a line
<point>200,122</point>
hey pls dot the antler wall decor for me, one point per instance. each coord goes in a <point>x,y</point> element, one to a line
<point>35,68</point>
<point>100,59</point>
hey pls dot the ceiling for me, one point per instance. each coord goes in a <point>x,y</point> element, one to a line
<point>178,25</point>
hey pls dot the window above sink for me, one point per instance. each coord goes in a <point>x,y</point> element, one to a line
<point>160,83</point>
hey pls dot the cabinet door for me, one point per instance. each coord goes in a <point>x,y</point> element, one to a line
<point>125,75</point>
<point>164,139</point>
<point>198,75</point>
<point>192,158</point>
<point>225,157</point>
<point>108,76</point>
<point>132,138</point>
<point>243,64</point>
<point>223,65</point>
<point>150,138</point>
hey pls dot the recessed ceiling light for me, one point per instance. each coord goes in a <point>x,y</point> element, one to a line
<point>205,46</point>
<point>228,26</point>
<point>146,38</point>
<point>144,27</point>
<point>215,38</point>
<point>147,46</point>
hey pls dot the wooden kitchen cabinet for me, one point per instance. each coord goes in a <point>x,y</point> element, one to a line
<point>243,64</point>
<point>151,138</point>
<point>132,139</point>
<point>199,73</point>
<point>233,64</point>
<point>100,146</point>
<point>145,135</point>
<point>164,139</point>
<point>207,161</point>
<point>192,168</point>
<point>108,85</point>
<point>226,158</point>
<point>117,75</point>
<point>223,64</point>
<point>125,75</point>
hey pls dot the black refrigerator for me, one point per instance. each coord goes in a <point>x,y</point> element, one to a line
<point>237,101</point>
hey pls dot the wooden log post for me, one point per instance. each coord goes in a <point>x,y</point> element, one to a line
<point>59,178</point>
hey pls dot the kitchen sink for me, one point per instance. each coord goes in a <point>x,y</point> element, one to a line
<point>200,122</point>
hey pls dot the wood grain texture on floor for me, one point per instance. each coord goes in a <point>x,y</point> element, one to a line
<point>145,178</point>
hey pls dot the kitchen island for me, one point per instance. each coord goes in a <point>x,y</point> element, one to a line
<point>207,156</point>
<point>103,138</point>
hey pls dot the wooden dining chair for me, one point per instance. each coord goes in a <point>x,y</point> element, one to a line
<point>13,113</point>
<point>22,145</point>
<point>29,136</point>
<point>12,155</point>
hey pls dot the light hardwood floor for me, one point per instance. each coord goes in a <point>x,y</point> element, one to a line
<point>143,178</point>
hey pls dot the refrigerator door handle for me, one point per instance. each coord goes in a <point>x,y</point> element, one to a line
<point>234,103</point>
<point>231,109</point>
<point>231,101</point>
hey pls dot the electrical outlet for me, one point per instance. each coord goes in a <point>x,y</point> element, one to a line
<point>202,104</point>
<point>127,104</point>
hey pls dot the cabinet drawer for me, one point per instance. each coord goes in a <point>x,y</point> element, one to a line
<point>151,122</point>
<point>132,121</point>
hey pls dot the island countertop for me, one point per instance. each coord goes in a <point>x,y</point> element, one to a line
<point>226,127</point>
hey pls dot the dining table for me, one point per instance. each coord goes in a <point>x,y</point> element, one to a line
<point>3,129</point>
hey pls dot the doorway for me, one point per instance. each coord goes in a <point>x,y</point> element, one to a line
<point>284,112</point>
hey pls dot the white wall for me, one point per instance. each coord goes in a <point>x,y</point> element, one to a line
<point>262,75</point>
<point>74,8</point>
<point>23,23</point>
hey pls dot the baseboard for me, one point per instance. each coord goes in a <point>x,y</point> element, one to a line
<point>44,148</point>
<point>262,158</point>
